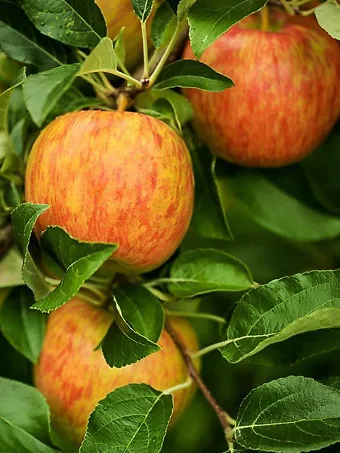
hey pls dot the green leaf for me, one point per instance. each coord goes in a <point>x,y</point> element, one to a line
<point>22,42</point>
<point>209,219</point>
<point>141,309</point>
<point>192,74</point>
<point>14,439</point>
<point>165,111</point>
<point>275,209</point>
<point>209,19</point>
<point>22,327</point>
<point>321,171</point>
<point>22,429</point>
<point>10,269</point>
<point>133,418</point>
<point>183,8</point>
<point>24,218</point>
<point>5,98</point>
<point>71,101</point>
<point>181,106</point>
<point>119,46</point>
<point>19,134</point>
<point>8,69</point>
<point>281,309</point>
<point>142,8</point>
<point>80,260</point>
<point>101,59</point>
<point>73,22</point>
<point>302,347</point>
<point>122,345</point>
<point>333,381</point>
<point>202,271</point>
<point>328,16</point>
<point>292,414</point>
<point>173,4</point>
<point>163,25</point>
<point>42,91</point>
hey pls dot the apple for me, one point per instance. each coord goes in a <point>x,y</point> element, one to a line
<point>118,14</point>
<point>73,376</point>
<point>286,96</point>
<point>114,177</point>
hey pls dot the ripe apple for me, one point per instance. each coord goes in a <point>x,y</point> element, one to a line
<point>286,96</point>
<point>114,177</point>
<point>118,14</point>
<point>74,377</point>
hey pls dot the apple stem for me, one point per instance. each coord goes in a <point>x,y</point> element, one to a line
<point>122,102</point>
<point>223,417</point>
<point>145,50</point>
<point>264,18</point>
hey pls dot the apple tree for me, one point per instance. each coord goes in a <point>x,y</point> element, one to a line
<point>169,226</point>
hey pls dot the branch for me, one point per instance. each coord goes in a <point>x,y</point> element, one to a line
<point>223,417</point>
<point>6,238</point>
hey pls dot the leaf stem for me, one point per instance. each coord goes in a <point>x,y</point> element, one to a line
<point>223,417</point>
<point>211,348</point>
<point>88,299</point>
<point>165,56</point>
<point>286,4</point>
<point>160,281</point>
<point>160,295</point>
<point>52,281</point>
<point>127,77</point>
<point>178,387</point>
<point>99,88</point>
<point>207,316</point>
<point>145,50</point>
<point>106,82</point>
<point>122,66</point>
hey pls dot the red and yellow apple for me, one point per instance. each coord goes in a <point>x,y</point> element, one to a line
<point>118,14</point>
<point>112,177</point>
<point>73,377</point>
<point>286,96</point>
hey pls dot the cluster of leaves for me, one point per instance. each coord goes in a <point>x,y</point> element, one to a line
<point>288,218</point>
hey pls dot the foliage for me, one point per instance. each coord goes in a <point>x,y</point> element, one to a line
<point>259,260</point>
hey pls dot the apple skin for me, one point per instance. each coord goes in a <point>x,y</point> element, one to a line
<point>114,177</point>
<point>73,377</point>
<point>286,96</point>
<point>118,14</point>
